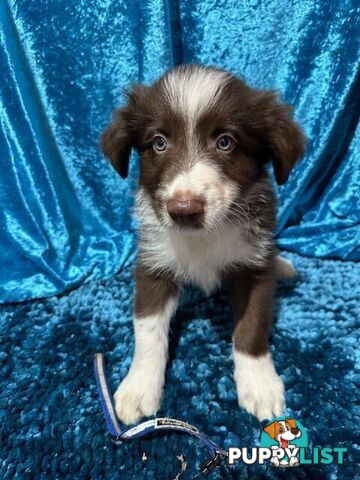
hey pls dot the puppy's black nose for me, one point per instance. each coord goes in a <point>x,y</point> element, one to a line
<point>295,431</point>
<point>186,209</point>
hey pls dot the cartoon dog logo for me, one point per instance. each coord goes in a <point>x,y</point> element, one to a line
<point>283,432</point>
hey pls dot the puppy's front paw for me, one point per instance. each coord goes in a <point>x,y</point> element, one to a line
<point>275,462</point>
<point>260,389</point>
<point>138,395</point>
<point>293,461</point>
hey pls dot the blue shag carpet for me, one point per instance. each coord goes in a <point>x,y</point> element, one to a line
<point>51,423</point>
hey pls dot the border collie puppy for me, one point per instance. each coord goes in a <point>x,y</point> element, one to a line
<point>207,210</point>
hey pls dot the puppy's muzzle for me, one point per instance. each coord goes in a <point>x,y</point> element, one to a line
<point>186,209</point>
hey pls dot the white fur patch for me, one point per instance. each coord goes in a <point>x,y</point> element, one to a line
<point>260,389</point>
<point>140,392</point>
<point>193,90</point>
<point>196,256</point>
<point>203,180</point>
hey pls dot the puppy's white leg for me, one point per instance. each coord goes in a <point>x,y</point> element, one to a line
<point>284,268</point>
<point>140,392</point>
<point>260,389</point>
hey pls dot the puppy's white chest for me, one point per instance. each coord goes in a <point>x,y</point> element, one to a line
<point>199,258</point>
<point>203,260</point>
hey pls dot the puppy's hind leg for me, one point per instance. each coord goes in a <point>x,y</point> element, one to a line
<point>140,392</point>
<point>284,269</point>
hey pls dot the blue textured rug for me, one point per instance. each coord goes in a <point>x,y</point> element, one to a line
<point>51,423</point>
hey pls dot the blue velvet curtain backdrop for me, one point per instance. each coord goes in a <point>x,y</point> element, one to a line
<point>65,214</point>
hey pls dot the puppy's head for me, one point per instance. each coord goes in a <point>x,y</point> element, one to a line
<point>203,138</point>
<point>283,431</point>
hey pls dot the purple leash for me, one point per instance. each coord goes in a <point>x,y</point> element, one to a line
<point>119,436</point>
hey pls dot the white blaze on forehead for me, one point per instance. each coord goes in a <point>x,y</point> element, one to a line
<point>192,90</point>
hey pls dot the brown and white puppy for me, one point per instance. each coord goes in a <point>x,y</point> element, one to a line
<point>207,213</point>
<point>284,432</point>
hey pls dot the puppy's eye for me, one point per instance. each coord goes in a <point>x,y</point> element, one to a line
<point>159,143</point>
<point>281,430</point>
<point>224,143</point>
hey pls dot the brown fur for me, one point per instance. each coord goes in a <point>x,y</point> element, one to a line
<point>252,298</point>
<point>152,292</point>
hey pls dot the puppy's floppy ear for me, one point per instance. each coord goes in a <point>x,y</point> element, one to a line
<point>271,430</point>
<point>291,422</point>
<point>285,138</point>
<point>116,142</point>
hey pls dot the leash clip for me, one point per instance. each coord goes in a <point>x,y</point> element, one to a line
<point>211,464</point>
<point>115,438</point>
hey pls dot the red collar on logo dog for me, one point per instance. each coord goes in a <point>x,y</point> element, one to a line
<point>144,428</point>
